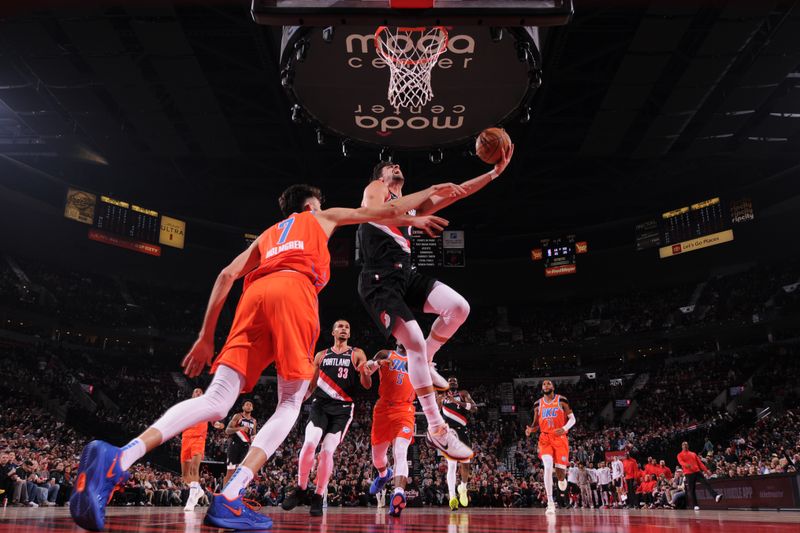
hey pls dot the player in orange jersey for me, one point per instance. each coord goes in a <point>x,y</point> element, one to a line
<point>392,422</point>
<point>276,321</point>
<point>193,448</point>
<point>554,417</point>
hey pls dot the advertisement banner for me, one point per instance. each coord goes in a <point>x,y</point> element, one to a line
<point>776,491</point>
<point>696,244</point>
<point>561,270</point>
<point>173,232</point>
<point>80,206</point>
<point>136,246</point>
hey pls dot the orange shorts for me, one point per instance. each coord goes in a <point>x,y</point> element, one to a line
<point>276,321</point>
<point>191,447</point>
<point>555,446</point>
<point>392,421</point>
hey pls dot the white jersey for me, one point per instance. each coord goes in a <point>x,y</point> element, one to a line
<point>604,475</point>
<point>592,475</point>
<point>617,471</point>
<point>572,474</point>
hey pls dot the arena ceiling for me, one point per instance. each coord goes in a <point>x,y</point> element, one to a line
<point>180,106</point>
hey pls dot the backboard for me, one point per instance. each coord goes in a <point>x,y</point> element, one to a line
<point>410,78</point>
<point>401,12</point>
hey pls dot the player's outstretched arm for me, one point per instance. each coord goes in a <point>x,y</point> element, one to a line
<point>370,367</point>
<point>437,203</point>
<point>203,349</point>
<point>332,218</point>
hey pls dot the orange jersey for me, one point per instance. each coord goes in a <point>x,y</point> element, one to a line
<point>197,431</point>
<point>551,415</point>
<point>297,243</point>
<point>395,385</point>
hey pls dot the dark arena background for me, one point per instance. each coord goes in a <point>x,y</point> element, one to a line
<point>639,252</point>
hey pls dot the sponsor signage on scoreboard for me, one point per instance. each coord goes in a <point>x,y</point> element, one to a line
<point>696,244</point>
<point>80,206</point>
<point>561,270</point>
<point>173,232</point>
<point>136,246</point>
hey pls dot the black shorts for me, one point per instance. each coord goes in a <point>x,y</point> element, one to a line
<point>573,488</point>
<point>237,450</point>
<point>619,482</point>
<point>606,487</point>
<point>331,416</point>
<point>390,294</point>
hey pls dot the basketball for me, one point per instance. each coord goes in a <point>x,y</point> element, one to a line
<point>491,143</point>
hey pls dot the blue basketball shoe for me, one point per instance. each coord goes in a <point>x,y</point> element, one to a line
<point>99,473</point>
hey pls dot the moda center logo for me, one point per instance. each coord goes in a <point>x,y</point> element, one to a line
<point>360,51</point>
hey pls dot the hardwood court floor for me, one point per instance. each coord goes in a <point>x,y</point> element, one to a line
<point>473,520</point>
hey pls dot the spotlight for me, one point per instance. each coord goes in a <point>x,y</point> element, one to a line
<point>523,52</point>
<point>496,33</point>
<point>300,50</point>
<point>345,151</point>
<point>327,34</point>
<point>287,79</point>
<point>526,115</point>
<point>436,157</point>
<point>320,137</point>
<point>386,155</point>
<point>297,114</point>
<point>536,79</point>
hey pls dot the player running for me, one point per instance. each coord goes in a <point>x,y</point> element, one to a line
<point>241,430</point>
<point>276,321</point>
<point>331,414</point>
<point>390,288</point>
<point>555,418</point>
<point>456,407</point>
<point>193,448</point>
<point>392,422</point>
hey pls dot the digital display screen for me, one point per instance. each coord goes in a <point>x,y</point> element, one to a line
<point>126,220</point>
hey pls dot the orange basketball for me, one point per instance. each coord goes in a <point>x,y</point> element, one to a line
<point>491,143</point>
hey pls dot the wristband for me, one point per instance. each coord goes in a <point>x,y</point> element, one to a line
<point>371,367</point>
<point>493,175</point>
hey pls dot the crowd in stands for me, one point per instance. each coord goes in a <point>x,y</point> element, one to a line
<point>45,382</point>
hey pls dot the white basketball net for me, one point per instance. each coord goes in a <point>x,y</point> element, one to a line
<point>411,54</point>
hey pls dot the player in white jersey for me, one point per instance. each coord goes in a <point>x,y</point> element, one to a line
<point>617,478</point>
<point>573,491</point>
<point>604,484</point>
<point>592,471</point>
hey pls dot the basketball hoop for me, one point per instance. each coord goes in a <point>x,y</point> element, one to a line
<point>411,54</point>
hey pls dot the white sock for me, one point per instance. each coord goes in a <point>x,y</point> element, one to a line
<point>462,485</point>
<point>239,480</point>
<point>452,466</point>
<point>431,410</point>
<point>132,452</point>
<point>432,346</point>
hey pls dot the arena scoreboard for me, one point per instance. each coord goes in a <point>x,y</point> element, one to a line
<point>693,227</point>
<point>124,224</point>
<point>445,250</point>
<point>559,255</point>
